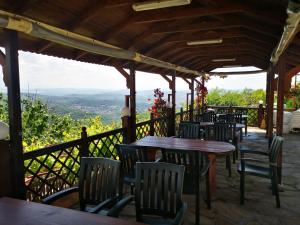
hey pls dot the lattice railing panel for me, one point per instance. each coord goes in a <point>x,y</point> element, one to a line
<point>51,169</point>
<point>142,129</point>
<point>103,145</point>
<point>161,127</point>
<point>177,122</point>
<point>252,117</point>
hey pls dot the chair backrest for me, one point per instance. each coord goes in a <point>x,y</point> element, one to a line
<point>158,189</point>
<point>189,130</point>
<point>222,118</point>
<point>185,158</point>
<point>98,180</point>
<point>220,132</point>
<point>129,155</point>
<point>208,117</point>
<point>238,117</point>
<point>230,118</point>
<point>275,148</point>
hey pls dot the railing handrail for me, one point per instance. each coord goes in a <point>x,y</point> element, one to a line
<point>107,133</point>
<point>233,107</point>
<point>50,149</point>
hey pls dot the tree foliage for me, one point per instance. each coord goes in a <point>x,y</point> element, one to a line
<point>246,97</point>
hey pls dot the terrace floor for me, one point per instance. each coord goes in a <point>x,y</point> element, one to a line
<point>259,208</point>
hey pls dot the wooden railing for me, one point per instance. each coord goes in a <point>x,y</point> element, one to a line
<point>54,168</point>
<point>51,169</point>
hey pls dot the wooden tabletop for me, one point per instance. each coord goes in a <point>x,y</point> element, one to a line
<point>216,147</point>
<point>19,212</point>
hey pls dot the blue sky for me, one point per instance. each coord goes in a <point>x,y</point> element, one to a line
<point>39,72</point>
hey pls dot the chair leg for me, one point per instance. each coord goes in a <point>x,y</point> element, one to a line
<point>131,189</point>
<point>228,165</point>
<point>208,194</point>
<point>276,189</point>
<point>233,156</point>
<point>242,188</point>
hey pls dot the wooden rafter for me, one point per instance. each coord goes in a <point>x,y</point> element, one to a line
<point>124,74</point>
<point>167,79</point>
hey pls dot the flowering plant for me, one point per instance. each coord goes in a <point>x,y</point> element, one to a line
<point>202,92</point>
<point>159,104</point>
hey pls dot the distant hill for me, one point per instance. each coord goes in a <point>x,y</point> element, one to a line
<point>80,103</point>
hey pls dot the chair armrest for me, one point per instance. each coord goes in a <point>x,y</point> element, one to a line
<point>58,195</point>
<point>253,160</point>
<point>102,205</point>
<point>180,215</point>
<point>114,211</point>
<point>158,160</point>
<point>252,151</point>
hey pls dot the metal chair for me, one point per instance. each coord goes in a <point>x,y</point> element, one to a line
<point>248,167</point>
<point>99,187</point>
<point>187,158</point>
<point>158,193</point>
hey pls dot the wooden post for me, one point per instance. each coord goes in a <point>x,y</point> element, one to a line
<point>14,110</point>
<point>125,117</point>
<point>260,114</point>
<point>270,102</point>
<point>173,111</point>
<point>151,131</point>
<point>181,114</point>
<point>192,99</point>
<point>280,110</point>
<point>202,97</point>
<point>132,103</point>
<point>84,151</point>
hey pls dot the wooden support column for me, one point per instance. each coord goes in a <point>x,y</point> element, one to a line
<point>202,97</point>
<point>14,110</point>
<point>270,102</point>
<point>132,102</point>
<point>280,97</point>
<point>192,99</point>
<point>173,112</point>
<point>280,110</point>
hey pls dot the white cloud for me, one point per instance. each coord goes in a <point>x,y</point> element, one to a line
<point>39,71</point>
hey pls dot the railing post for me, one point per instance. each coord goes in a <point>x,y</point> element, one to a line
<point>151,131</point>
<point>84,150</point>
<point>260,115</point>
<point>127,134</point>
<point>181,114</point>
<point>14,112</point>
<point>170,126</point>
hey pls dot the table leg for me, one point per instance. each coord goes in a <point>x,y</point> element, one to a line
<point>197,213</point>
<point>212,173</point>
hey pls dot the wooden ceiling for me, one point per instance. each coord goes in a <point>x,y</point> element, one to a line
<point>250,30</point>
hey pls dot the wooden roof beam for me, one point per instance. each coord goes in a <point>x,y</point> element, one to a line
<point>168,80</point>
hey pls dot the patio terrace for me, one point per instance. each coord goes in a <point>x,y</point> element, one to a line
<point>259,208</point>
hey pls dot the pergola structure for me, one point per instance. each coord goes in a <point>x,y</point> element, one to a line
<point>185,41</point>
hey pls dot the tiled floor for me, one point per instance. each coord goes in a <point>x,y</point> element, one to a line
<point>259,208</point>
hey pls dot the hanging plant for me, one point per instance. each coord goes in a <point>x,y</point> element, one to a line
<point>159,106</point>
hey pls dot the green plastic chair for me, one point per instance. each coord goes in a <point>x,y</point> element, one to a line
<point>248,167</point>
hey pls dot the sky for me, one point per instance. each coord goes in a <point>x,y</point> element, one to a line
<point>46,72</point>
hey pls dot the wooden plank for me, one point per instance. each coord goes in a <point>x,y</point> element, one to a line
<point>14,111</point>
